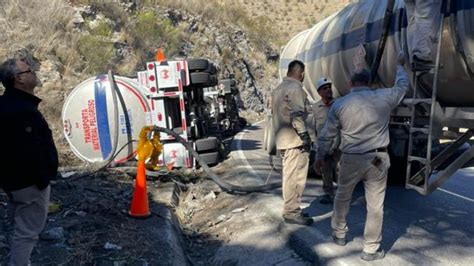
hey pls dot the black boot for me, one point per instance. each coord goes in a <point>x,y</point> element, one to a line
<point>419,64</point>
<point>298,219</point>
<point>377,255</point>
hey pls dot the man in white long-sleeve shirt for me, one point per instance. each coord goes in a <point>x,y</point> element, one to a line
<point>362,118</point>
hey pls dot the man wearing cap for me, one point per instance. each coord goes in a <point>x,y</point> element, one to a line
<point>293,142</point>
<point>320,112</point>
<point>362,118</point>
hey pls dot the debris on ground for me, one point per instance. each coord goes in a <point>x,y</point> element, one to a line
<point>88,222</point>
<point>210,222</point>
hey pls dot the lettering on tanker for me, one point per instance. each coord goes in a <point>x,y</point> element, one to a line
<point>89,125</point>
<point>85,126</point>
<point>125,127</point>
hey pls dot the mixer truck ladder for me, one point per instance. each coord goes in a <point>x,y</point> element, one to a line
<point>421,130</point>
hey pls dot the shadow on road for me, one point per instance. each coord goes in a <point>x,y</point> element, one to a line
<point>417,229</point>
<point>250,145</point>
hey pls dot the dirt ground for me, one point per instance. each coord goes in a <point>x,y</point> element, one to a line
<point>88,223</point>
<point>209,219</point>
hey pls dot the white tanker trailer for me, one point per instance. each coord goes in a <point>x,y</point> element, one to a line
<point>350,38</point>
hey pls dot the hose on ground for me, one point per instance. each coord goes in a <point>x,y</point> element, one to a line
<point>93,171</point>
<point>225,186</point>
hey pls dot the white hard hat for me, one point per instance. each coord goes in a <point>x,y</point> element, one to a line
<point>321,82</point>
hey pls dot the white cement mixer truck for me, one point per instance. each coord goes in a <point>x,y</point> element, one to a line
<point>440,105</point>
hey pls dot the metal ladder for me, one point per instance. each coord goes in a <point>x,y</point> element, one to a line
<point>420,180</point>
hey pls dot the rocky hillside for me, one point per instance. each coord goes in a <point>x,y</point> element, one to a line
<point>292,16</point>
<point>69,41</point>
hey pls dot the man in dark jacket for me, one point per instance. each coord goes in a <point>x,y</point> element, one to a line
<point>28,157</point>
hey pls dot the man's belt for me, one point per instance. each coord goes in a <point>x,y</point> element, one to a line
<point>383,149</point>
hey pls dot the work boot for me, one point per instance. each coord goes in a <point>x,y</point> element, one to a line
<point>340,241</point>
<point>299,219</point>
<point>419,64</point>
<point>379,254</point>
<point>327,199</point>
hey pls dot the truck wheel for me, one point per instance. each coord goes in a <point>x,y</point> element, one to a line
<point>198,64</point>
<point>203,79</point>
<point>210,158</point>
<point>200,78</point>
<point>207,144</point>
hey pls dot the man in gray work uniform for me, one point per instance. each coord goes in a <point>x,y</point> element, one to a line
<point>289,103</point>
<point>362,118</point>
<point>320,113</point>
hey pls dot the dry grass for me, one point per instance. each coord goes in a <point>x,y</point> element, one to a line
<point>34,24</point>
<point>260,28</point>
<point>291,16</point>
<point>46,29</point>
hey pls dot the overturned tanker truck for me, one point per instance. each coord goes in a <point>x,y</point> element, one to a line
<point>431,129</point>
<point>103,116</point>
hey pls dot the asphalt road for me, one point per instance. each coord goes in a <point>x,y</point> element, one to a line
<point>436,230</point>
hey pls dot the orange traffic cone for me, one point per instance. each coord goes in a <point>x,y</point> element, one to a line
<point>139,206</point>
<point>160,55</point>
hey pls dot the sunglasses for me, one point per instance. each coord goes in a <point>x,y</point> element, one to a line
<point>24,72</point>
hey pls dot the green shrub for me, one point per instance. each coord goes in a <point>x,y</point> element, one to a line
<point>97,53</point>
<point>151,32</point>
<point>102,29</point>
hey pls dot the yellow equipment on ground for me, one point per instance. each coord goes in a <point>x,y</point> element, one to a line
<point>149,148</point>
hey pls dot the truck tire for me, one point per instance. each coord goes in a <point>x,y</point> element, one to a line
<point>211,158</point>
<point>203,79</point>
<point>198,64</point>
<point>207,144</point>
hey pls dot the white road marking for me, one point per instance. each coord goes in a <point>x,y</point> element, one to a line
<point>241,155</point>
<point>455,194</point>
<point>325,248</point>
